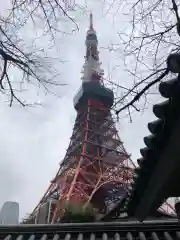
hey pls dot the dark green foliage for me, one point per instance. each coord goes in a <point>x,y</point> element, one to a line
<point>78,213</point>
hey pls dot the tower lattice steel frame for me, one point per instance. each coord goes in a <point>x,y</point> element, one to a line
<point>96,168</point>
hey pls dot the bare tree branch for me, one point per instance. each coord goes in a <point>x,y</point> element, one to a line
<point>151,34</point>
<point>31,64</point>
<point>137,97</point>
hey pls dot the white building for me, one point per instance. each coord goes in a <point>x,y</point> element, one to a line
<point>9,213</point>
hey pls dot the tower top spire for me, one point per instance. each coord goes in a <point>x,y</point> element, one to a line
<point>91,68</point>
<point>91,21</point>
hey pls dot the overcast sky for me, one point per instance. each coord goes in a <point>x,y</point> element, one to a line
<point>33,141</point>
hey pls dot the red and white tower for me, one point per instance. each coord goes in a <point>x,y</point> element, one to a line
<point>96,168</point>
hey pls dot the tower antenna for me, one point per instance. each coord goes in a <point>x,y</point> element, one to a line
<point>91,21</point>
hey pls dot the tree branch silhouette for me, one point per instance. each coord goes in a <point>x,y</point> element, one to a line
<point>32,64</point>
<point>153,33</point>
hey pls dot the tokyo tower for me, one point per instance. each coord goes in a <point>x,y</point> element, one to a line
<point>96,168</point>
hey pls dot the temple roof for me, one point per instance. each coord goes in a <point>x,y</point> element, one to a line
<point>157,176</point>
<point>131,229</point>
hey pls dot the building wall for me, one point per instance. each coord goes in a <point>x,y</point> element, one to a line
<point>9,213</point>
<point>43,214</point>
